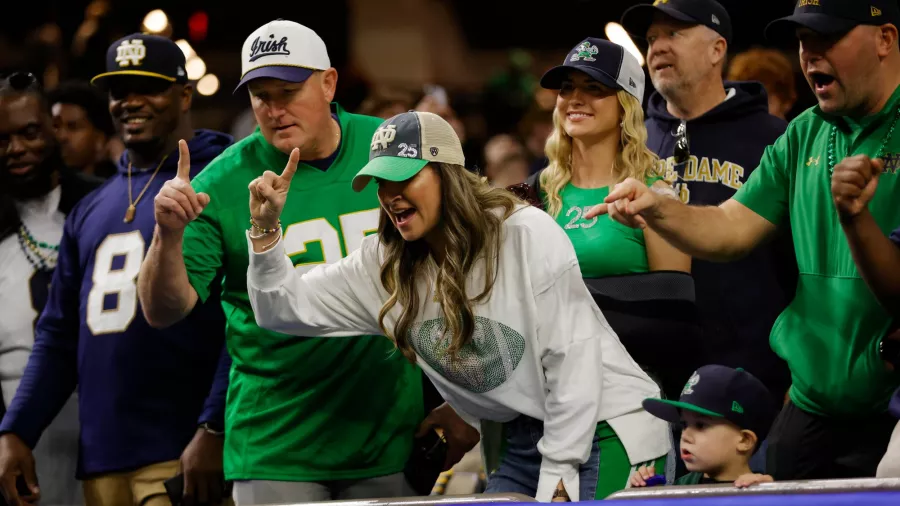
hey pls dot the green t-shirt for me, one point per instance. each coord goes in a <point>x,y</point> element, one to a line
<point>302,408</point>
<point>697,478</point>
<point>829,333</point>
<point>604,246</point>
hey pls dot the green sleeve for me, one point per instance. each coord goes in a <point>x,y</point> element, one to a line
<point>203,246</point>
<point>766,190</point>
<point>689,479</point>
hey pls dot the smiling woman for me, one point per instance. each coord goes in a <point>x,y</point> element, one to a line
<point>485,295</point>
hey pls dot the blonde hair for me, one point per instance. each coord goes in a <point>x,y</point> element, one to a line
<point>633,158</point>
<point>472,227</point>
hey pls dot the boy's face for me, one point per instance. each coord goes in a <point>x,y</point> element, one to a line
<point>708,444</point>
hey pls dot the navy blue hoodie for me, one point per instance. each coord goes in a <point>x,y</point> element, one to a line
<point>141,391</point>
<point>739,301</point>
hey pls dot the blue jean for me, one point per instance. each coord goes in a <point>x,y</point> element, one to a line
<point>520,467</point>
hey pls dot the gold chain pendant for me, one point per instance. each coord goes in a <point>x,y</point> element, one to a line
<point>129,214</point>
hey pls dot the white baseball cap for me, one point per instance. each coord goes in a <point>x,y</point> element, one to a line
<point>282,50</point>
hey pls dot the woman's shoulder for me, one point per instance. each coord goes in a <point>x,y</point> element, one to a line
<point>535,229</point>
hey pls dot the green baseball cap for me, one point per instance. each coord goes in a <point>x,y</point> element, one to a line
<point>405,143</point>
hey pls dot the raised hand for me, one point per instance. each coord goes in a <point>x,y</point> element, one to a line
<point>853,184</point>
<point>177,204</point>
<point>268,193</point>
<point>627,203</point>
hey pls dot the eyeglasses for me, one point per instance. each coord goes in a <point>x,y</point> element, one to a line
<point>20,81</point>
<point>682,151</point>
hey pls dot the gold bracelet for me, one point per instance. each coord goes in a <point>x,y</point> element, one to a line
<point>264,231</point>
<point>273,243</point>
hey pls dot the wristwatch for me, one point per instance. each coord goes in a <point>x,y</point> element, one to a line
<point>212,428</point>
<point>889,350</point>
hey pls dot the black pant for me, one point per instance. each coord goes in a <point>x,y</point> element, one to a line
<point>803,446</point>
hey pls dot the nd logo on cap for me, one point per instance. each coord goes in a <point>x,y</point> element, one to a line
<point>131,52</point>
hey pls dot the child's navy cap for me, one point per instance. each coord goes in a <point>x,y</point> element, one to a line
<point>723,392</point>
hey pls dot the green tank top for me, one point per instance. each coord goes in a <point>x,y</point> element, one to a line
<point>604,246</point>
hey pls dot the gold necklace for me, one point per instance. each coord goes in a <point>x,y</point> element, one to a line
<point>129,213</point>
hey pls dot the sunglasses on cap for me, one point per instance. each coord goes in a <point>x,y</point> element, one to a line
<point>682,151</point>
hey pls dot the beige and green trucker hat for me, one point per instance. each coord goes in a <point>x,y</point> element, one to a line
<point>404,144</point>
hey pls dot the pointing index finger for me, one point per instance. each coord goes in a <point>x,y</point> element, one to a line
<point>291,168</point>
<point>184,161</point>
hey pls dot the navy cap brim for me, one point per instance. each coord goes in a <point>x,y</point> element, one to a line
<point>784,30</point>
<point>102,79</point>
<point>281,72</point>
<point>553,78</point>
<point>638,19</point>
<point>670,411</point>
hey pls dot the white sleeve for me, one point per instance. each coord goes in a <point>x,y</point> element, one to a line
<point>339,299</point>
<point>571,329</point>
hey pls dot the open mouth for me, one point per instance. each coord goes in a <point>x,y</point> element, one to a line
<point>663,66</point>
<point>821,81</point>
<point>282,128</point>
<point>686,455</point>
<point>404,216</point>
<point>134,123</point>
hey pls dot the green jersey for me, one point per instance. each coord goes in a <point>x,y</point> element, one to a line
<point>604,247</point>
<point>829,333</point>
<point>301,408</point>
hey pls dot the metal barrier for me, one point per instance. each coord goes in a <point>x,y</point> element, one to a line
<point>424,500</point>
<point>777,488</point>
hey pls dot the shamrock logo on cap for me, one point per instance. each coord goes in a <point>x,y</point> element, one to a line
<point>585,51</point>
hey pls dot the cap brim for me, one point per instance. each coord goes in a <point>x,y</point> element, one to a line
<point>784,30</point>
<point>281,72</point>
<point>638,19</point>
<point>553,78</point>
<point>100,79</point>
<point>670,410</point>
<point>390,168</point>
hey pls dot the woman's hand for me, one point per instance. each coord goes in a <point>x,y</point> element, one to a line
<point>268,193</point>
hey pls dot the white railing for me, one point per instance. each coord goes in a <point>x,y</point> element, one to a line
<point>435,500</point>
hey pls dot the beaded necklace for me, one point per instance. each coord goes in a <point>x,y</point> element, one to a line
<point>832,139</point>
<point>40,255</point>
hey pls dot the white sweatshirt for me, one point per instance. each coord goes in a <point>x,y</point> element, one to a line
<point>541,346</point>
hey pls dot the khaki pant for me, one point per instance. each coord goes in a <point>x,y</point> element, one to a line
<point>143,487</point>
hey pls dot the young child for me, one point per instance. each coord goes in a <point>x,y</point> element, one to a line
<point>725,414</point>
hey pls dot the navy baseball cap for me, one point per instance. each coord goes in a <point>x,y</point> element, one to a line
<point>282,50</point>
<point>833,17</point>
<point>603,61</point>
<point>722,392</point>
<point>709,13</point>
<point>140,54</point>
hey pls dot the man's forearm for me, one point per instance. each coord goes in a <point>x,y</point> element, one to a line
<point>716,234</point>
<point>163,286</point>
<point>877,259</point>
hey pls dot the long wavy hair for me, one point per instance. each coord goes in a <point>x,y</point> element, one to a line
<point>633,158</point>
<point>472,226</point>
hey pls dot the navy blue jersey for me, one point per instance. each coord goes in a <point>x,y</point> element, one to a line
<point>141,391</point>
